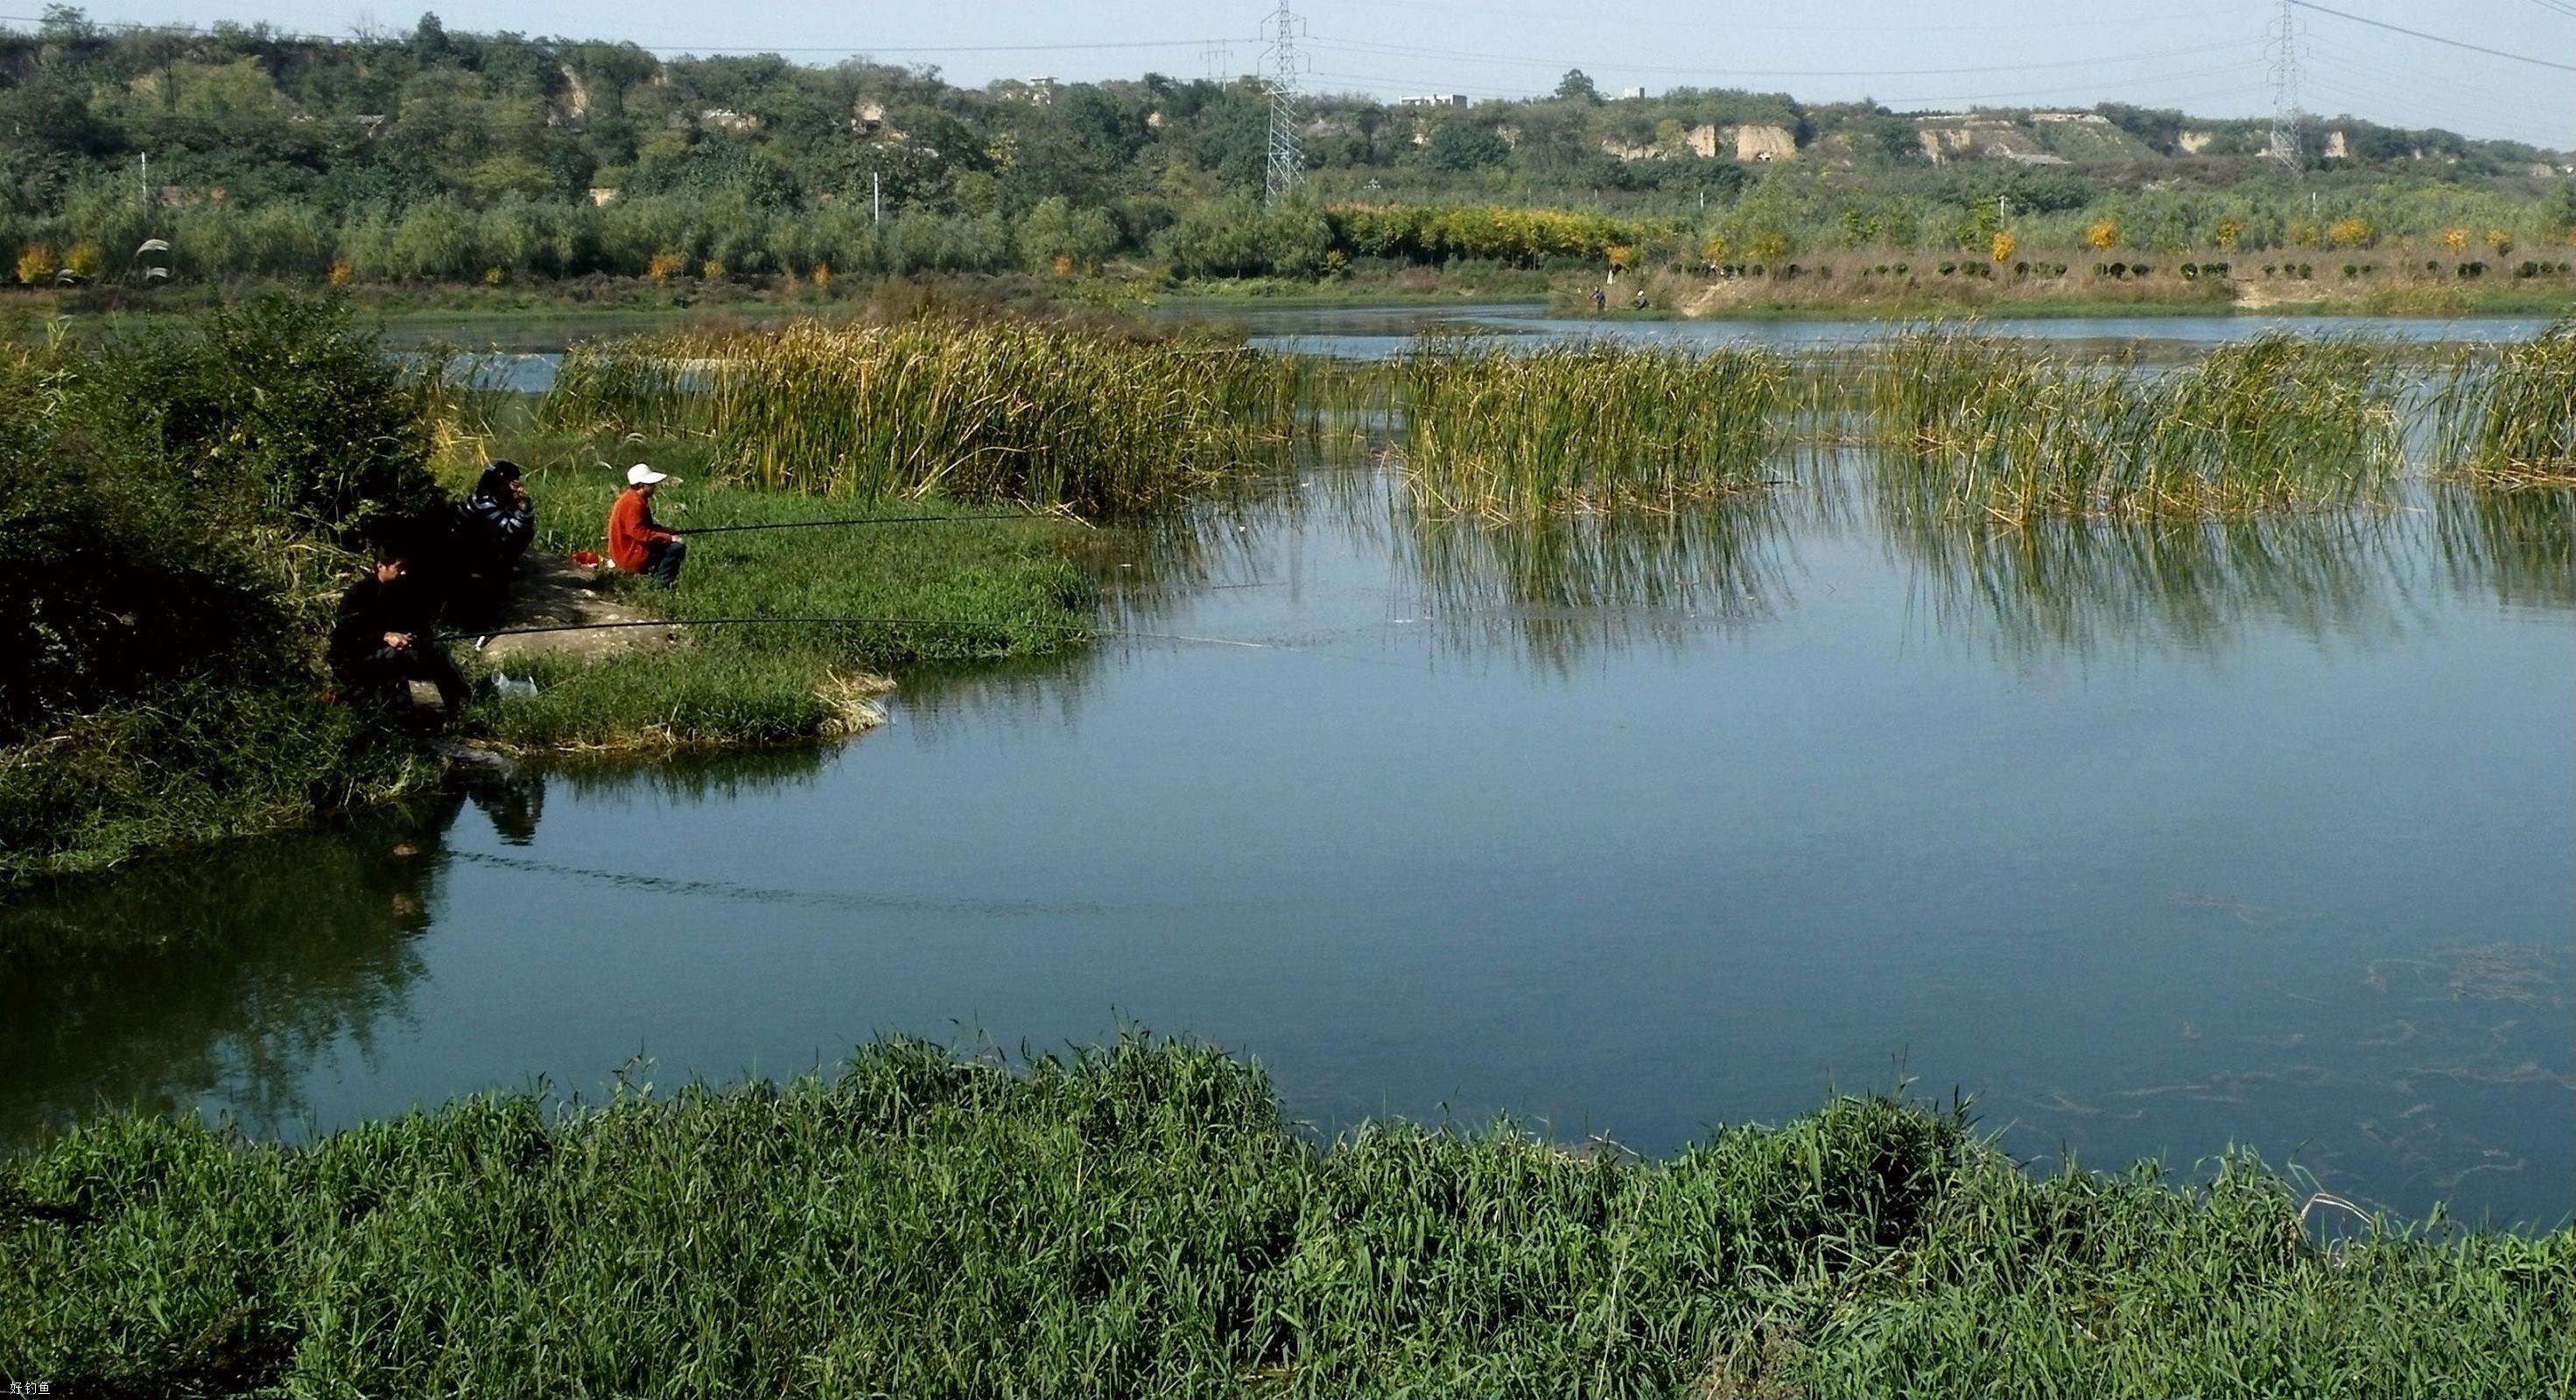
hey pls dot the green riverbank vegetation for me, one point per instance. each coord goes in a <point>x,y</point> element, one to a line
<point>1142,1218</point>
<point>181,506</point>
<point>1488,431</point>
<point>1014,411</point>
<point>177,511</point>
<point>2014,432</point>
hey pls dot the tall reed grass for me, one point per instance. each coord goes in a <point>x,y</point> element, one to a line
<point>1980,426</point>
<point>1015,411</point>
<point>1494,433</point>
<point>2509,419</point>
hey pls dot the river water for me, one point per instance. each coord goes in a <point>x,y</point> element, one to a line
<point>2153,840</point>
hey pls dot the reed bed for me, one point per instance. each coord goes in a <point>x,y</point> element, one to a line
<point>2509,418</point>
<point>1037,414</point>
<point>1508,436</point>
<point>1979,426</point>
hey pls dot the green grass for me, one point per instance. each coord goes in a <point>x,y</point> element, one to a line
<point>2011,432</point>
<point>2508,418</point>
<point>1495,433</point>
<point>975,590</point>
<point>1142,1219</point>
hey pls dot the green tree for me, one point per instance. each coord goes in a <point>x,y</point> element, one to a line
<point>1576,86</point>
<point>1460,146</point>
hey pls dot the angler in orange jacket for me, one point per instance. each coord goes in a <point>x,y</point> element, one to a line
<point>635,543</point>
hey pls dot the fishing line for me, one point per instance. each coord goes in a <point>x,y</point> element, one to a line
<point>877,520</point>
<point>1057,627</point>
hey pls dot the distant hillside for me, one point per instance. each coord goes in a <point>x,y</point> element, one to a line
<point>432,153</point>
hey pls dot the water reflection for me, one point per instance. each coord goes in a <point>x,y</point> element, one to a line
<point>2518,546</point>
<point>227,975</point>
<point>140,990</point>
<point>1555,588</point>
<point>2186,585</point>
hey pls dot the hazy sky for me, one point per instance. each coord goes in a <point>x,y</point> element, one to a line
<point>2207,58</point>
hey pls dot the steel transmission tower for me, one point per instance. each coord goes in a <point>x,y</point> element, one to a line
<point>1283,66</point>
<point>2284,44</point>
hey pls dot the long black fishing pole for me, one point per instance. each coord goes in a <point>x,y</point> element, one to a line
<point>1065,628</point>
<point>874,520</point>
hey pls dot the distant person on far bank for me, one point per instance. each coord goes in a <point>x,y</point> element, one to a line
<point>1600,301</point>
<point>382,640</point>
<point>635,543</point>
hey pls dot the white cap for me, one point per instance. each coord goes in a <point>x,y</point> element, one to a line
<point>642,475</point>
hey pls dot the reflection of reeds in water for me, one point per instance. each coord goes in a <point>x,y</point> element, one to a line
<point>2081,585</point>
<point>2508,416</point>
<point>1981,427</point>
<point>970,411</point>
<point>2519,545</point>
<point>1508,436</point>
<point>1557,585</point>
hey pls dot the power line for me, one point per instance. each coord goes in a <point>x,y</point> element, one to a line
<point>2432,38</point>
<point>1595,21</point>
<point>1410,51</point>
<point>284,36</point>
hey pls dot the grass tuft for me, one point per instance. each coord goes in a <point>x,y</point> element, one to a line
<point>1506,435</point>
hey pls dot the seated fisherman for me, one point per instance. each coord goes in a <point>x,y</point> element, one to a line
<point>635,543</point>
<point>382,640</point>
<point>494,530</point>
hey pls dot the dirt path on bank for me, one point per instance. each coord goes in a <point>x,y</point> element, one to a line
<point>551,591</point>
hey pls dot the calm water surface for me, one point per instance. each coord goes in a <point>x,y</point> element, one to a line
<point>2154,840</point>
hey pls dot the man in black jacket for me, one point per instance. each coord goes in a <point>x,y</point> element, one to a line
<point>382,640</point>
<point>493,531</point>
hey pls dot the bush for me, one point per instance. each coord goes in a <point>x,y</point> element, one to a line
<point>277,413</point>
<point>167,510</point>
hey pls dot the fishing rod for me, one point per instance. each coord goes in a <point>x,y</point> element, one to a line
<point>1064,628</point>
<point>876,520</point>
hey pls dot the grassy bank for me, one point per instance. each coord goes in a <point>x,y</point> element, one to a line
<point>181,505</point>
<point>969,590</point>
<point>1141,1219</point>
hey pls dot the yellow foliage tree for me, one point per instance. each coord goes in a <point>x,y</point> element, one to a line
<point>1718,248</point>
<point>2351,233</point>
<point>822,275</point>
<point>2004,245</point>
<point>2230,233</point>
<point>2455,239</point>
<point>36,263</point>
<point>712,270</point>
<point>343,272</point>
<point>493,276</point>
<point>664,265</point>
<point>2104,234</point>
<point>84,260</point>
<point>2501,240</point>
